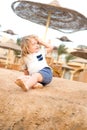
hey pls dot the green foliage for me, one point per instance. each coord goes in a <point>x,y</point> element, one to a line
<point>17,53</point>
<point>69,57</point>
<point>82,46</point>
<point>18,41</point>
<point>62,49</point>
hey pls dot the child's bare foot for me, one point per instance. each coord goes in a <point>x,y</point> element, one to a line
<point>38,85</point>
<point>20,83</point>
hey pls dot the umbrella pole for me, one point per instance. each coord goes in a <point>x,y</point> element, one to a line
<point>84,67</point>
<point>47,25</point>
<point>7,60</point>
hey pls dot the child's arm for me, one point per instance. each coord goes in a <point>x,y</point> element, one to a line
<point>48,46</point>
<point>26,72</point>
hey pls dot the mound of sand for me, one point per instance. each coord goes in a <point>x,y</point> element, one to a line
<point>62,105</point>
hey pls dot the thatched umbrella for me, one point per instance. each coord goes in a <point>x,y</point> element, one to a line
<point>10,45</point>
<point>64,39</point>
<point>2,57</point>
<point>9,32</point>
<point>82,61</point>
<point>82,53</point>
<point>83,74</point>
<point>67,68</point>
<point>52,15</point>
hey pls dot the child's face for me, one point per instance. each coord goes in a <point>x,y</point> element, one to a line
<point>34,46</point>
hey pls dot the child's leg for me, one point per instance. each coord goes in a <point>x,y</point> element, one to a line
<point>21,82</point>
<point>26,82</point>
<point>38,86</point>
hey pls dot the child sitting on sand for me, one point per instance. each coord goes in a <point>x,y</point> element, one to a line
<point>35,65</point>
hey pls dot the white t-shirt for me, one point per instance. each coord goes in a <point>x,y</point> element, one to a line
<point>35,62</point>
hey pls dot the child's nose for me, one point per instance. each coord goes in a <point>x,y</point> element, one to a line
<point>38,45</point>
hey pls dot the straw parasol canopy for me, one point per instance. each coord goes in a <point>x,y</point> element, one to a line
<point>67,67</point>
<point>10,44</point>
<point>9,32</point>
<point>64,39</point>
<point>2,57</point>
<point>80,60</point>
<point>52,15</point>
<point>82,53</point>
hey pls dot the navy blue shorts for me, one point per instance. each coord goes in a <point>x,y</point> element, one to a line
<point>47,75</point>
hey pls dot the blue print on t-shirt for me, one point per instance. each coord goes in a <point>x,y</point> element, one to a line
<point>40,57</point>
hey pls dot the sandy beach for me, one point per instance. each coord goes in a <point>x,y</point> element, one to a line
<point>61,105</point>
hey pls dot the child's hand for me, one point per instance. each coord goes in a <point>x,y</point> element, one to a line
<point>39,40</point>
<point>26,72</point>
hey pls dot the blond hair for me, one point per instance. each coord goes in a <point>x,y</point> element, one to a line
<point>25,44</point>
